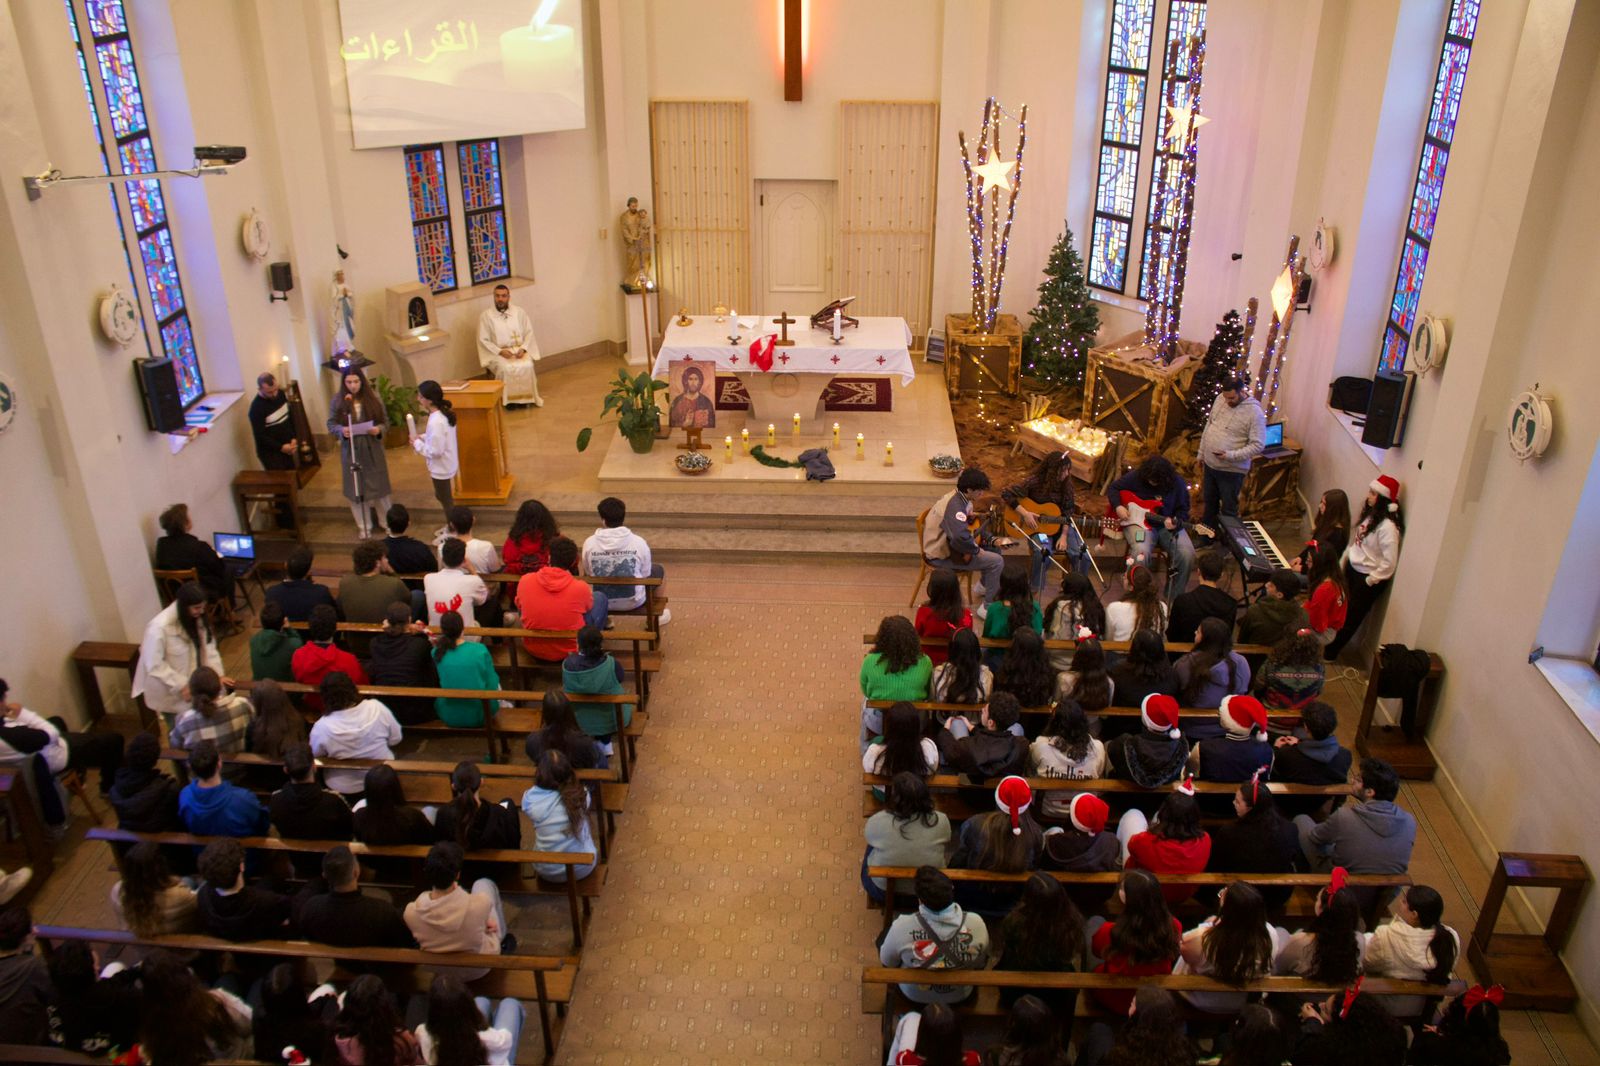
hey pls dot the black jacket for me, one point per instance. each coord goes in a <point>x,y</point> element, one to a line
<point>272,426</point>
<point>307,811</point>
<point>1191,608</point>
<point>184,551</point>
<point>1148,759</point>
<point>1258,845</point>
<point>298,597</point>
<point>493,826</point>
<point>408,555</point>
<point>582,750</point>
<point>349,919</point>
<point>146,801</point>
<point>252,913</point>
<point>984,753</point>
<point>403,825</point>
<point>404,659</point>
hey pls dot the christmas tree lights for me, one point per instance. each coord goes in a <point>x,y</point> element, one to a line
<point>1065,320</point>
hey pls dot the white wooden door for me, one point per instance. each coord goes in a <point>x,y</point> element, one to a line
<point>794,251</point>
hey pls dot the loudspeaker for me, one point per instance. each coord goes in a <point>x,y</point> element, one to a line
<point>158,385</point>
<point>282,277</point>
<point>1387,410</point>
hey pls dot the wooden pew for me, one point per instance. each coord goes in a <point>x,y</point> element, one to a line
<point>509,975</point>
<point>1276,716</point>
<point>579,893</point>
<point>1118,646</point>
<point>654,601</point>
<point>880,988</point>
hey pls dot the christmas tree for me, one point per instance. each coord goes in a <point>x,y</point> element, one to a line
<point>1065,321</point>
<point>1220,365</point>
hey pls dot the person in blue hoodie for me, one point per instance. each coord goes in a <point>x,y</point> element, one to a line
<point>1157,481</point>
<point>210,806</point>
<point>558,805</point>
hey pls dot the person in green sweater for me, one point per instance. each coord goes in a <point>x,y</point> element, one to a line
<point>461,664</point>
<point>1013,608</point>
<point>273,647</point>
<point>1276,615</point>
<point>591,670</point>
<point>895,669</point>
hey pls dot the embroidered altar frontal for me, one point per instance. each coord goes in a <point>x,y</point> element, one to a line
<point>846,393</point>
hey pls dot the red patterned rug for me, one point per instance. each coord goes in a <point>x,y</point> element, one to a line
<point>843,393</point>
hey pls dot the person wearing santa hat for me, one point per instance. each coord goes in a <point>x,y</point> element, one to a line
<point>1003,841</point>
<point>1156,755</point>
<point>1370,559</point>
<point>1084,846</point>
<point>1172,844</point>
<point>1243,747</point>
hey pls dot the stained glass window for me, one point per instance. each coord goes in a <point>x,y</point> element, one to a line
<point>1122,127</point>
<point>1186,20</point>
<point>130,131</point>
<point>430,216</point>
<point>1429,186</point>
<point>484,202</point>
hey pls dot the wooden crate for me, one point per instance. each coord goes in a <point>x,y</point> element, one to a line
<point>1086,468</point>
<point>981,361</point>
<point>1272,487</point>
<point>1123,393</point>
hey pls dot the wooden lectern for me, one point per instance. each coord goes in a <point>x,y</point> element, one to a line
<point>484,476</point>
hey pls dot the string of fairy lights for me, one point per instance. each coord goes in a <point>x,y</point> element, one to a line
<point>1170,245</point>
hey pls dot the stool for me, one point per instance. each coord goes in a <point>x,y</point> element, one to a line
<point>1529,965</point>
<point>94,653</point>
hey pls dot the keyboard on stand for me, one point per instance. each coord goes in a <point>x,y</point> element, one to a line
<point>1247,541</point>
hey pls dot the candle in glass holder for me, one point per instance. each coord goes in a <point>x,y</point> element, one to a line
<point>797,421</point>
<point>861,445</point>
<point>744,438</point>
<point>888,454</point>
<point>836,434</point>
<point>727,444</point>
<point>772,434</point>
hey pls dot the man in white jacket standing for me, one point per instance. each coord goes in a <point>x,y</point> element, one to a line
<point>614,550</point>
<point>1235,433</point>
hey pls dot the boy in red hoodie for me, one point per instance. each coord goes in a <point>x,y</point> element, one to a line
<point>319,656</point>
<point>554,597</point>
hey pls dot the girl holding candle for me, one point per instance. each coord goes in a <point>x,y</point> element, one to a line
<point>437,444</point>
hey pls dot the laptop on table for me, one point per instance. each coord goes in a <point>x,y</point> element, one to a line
<point>237,550</point>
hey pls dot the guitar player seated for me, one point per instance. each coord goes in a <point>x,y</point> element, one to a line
<point>1048,489</point>
<point>1156,488</point>
<point>950,541</point>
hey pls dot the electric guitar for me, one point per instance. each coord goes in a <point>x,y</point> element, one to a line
<point>1142,514</point>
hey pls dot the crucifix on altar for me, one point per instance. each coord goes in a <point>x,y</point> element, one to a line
<point>784,322</point>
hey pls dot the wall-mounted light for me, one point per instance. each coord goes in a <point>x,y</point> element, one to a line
<point>794,45</point>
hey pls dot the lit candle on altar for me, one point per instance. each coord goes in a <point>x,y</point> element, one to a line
<point>836,434</point>
<point>836,324</point>
<point>744,438</point>
<point>727,443</point>
<point>888,454</point>
<point>539,57</point>
<point>861,445</point>
<point>772,434</point>
<point>797,421</point>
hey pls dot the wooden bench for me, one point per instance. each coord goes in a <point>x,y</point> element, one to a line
<point>116,655</point>
<point>1278,716</point>
<point>880,988</point>
<point>501,723</point>
<point>540,979</point>
<point>579,893</point>
<point>1174,650</point>
<point>654,602</point>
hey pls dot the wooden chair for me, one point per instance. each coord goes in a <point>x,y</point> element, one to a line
<point>927,567</point>
<point>169,581</point>
<point>72,781</point>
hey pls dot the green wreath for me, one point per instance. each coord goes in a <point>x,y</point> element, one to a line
<point>759,454</point>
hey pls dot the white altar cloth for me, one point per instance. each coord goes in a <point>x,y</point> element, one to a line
<point>877,346</point>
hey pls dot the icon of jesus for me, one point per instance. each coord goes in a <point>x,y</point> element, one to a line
<point>692,407</point>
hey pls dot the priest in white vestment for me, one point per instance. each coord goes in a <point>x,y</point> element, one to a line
<point>507,349</point>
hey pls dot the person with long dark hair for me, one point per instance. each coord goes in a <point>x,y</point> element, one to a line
<point>96,1014</point>
<point>291,1017</point>
<point>183,1023</point>
<point>559,731</point>
<point>1155,481</point>
<point>907,832</point>
<point>963,677</point>
<point>369,1030</point>
<point>1144,671</point>
<point>1349,1028</point>
<point>1142,942</point>
<point>1141,608</point>
<point>895,669</point>
<point>1043,934</point>
<point>1415,945</point>
<point>1004,841</point>
<point>1293,675</point>
<point>214,714</point>
<point>358,406</point>
<point>471,821</point>
<point>176,643</point>
<point>943,614</point>
<point>383,817</point>
<point>902,748</point>
<point>276,725</point>
<point>527,546</point>
<point>558,806</point>
<point>1032,1037</point>
<point>437,443</point>
<point>1086,681</point>
<point>1050,482</point>
<point>1259,840</point>
<point>1210,671</point>
<point>1173,843</point>
<point>148,897</point>
<point>1012,611</point>
<point>1075,609</point>
<point>1329,604</point>
<point>1152,1036</point>
<point>1330,529</point>
<point>1025,670</point>
<point>1257,1037</point>
<point>459,1030</point>
<point>1466,1032</point>
<point>464,664</point>
<point>1235,945</point>
<point>931,1037</point>
<point>1328,949</point>
<point>1066,749</point>
<point>1370,558</point>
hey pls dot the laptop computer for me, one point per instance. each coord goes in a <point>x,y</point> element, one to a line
<point>1274,438</point>
<point>238,551</point>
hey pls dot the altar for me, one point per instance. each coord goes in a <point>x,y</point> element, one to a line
<point>801,372</point>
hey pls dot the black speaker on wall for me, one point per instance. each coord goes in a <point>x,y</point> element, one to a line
<point>158,385</point>
<point>1387,410</point>
<point>281,277</point>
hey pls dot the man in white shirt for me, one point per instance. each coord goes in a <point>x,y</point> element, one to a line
<point>481,554</point>
<point>456,587</point>
<point>507,349</point>
<point>615,550</point>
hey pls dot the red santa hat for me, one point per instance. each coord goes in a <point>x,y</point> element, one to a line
<point>1160,714</point>
<point>1088,813</point>
<point>1243,716</point>
<point>1014,796</point>
<point>1387,487</point>
<point>1186,786</point>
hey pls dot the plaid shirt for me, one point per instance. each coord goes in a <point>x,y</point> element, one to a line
<point>229,727</point>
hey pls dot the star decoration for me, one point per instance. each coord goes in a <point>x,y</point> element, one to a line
<point>997,172</point>
<point>1183,118</point>
<point>1283,294</point>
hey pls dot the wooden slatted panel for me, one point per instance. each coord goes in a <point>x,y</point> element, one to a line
<point>887,166</point>
<point>701,165</point>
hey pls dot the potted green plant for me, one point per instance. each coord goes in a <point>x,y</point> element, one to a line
<point>398,401</point>
<point>638,417</point>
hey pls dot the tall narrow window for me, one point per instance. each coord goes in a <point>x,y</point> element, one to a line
<point>135,152</point>
<point>1436,140</point>
<point>484,203</point>
<point>1186,19</point>
<point>1122,128</point>
<point>430,216</point>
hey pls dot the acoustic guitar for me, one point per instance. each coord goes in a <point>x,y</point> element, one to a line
<point>1048,515</point>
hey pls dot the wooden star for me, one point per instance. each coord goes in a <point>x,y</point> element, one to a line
<point>997,172</point>
<point>1183,118</point>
